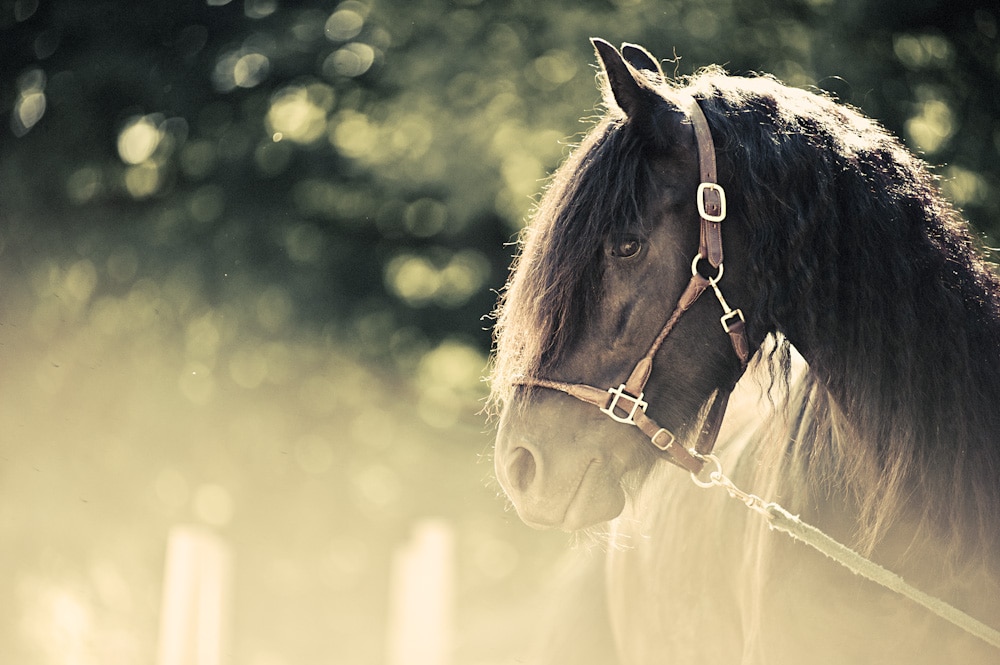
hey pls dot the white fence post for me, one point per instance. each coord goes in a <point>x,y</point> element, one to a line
<point>194,611</point>
<point>420,622</point>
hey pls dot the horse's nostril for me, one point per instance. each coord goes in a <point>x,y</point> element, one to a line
<point>521,470</point>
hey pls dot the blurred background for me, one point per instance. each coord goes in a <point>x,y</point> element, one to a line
<point>246,251</point>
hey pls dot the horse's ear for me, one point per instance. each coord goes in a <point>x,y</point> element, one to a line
<point>630,89</point>
<point>642,59</point>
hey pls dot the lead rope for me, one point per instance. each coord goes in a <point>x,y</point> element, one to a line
<point>781,520</point>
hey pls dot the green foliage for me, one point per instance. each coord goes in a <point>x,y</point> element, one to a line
<point>370,160</point>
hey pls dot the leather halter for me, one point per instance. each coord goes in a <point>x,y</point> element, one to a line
<point>626,403</point>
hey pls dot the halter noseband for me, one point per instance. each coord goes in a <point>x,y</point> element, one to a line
<point>625,404</point>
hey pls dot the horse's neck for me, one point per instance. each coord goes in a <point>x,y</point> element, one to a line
<point>921,358</point>
<point>904,386</point>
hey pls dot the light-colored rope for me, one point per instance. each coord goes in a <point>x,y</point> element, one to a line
<point>780,519</point>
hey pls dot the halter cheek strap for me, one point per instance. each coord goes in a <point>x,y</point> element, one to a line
<point>626,403</point>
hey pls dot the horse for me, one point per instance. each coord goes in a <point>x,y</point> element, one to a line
<point>808,231</point>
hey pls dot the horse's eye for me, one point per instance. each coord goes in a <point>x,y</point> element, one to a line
<point>626,247</point>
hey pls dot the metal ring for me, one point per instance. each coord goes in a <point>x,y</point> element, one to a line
<point>694,269</point>
<point>713,475</point>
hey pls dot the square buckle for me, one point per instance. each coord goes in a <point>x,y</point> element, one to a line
<point>734,314</point>
<point>703,189</point>
<point>637,404</point>
<point>663,439</point>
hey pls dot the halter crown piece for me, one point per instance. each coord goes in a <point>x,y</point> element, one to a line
<point>626,404</point>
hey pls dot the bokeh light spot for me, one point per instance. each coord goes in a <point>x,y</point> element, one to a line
<point>556,67</point>
<point>932,125</point>
<point>425,217</point>
<point>454,366</point>
<point>350,61</point>
<point>240,68</point>
<point>413,278</point>
<point>461,277</point>
<point>419,281</point>
<point>250,70</point>
<point>920,51</point>
<point>522,173</point>
<point>84,184</point>
<point>139,139</point>
<point>353,134</point>
<point>965,187</point>
<point>29,107</point>
<point>449,378</point>
<point>81,278</point>
<point>308,26</point>
<point>411,136</point>
<point>346,22</point>
<point>24,9</point>
<point>299,113</point>
<point>28,110</point>
<point>259,8</point>
<point>143,180</point>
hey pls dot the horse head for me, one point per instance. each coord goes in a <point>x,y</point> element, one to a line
<point>607,358</point>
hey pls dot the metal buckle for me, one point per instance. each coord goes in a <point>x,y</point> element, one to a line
<point>736,313</point>
<point>711,186</point>
<point>661,433</point>
<point>637,403</point>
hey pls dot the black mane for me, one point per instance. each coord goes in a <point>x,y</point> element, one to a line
<point>873,275</point>
<point>596,195</point>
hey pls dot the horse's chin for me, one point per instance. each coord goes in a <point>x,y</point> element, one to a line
<point>582,515</point>
<point>578,516</point>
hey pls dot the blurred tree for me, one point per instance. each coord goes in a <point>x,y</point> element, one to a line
<point>364,164</point>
